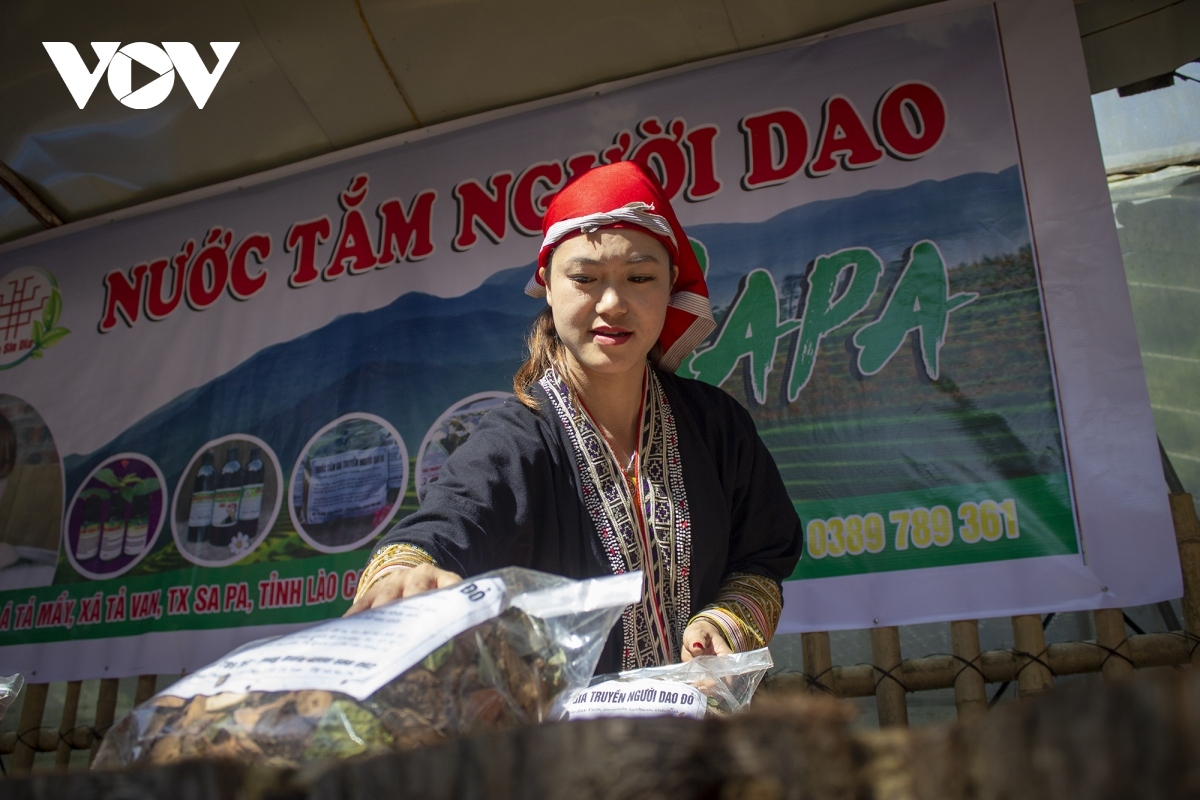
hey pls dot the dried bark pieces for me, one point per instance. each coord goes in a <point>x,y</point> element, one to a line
<point>494,676</point>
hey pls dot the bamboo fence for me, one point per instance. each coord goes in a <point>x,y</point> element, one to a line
<point>1030,663</point>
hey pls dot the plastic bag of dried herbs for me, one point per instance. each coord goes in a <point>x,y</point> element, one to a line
<point>488,654</point>
<point>10,687</point>
<point>706,686</point>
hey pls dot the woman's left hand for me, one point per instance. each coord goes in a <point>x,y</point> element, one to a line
<point>702,638</point>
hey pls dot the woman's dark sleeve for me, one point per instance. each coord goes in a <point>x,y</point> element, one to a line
<point>765,531</point>
<point>484,508</point>
<point>765,536</point>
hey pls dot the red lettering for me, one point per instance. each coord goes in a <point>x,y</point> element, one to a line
<point>914,136</point>
<point>243,285</point>
<point>581,163</point>
<point>45,614</point>
<point>349,584</point>
<point>303,237</point>
<point>122,296</point>
<point>321,588</point>
<point>231,596</point>
<point>843,138</point>
<point>397,230</point>
<point>528,209</point>
<point>145,605</point>
<point>663,155</point>
<point>89,609</point>
<point>621,144</point>
<point>114,606</point>
<point>237,597</point>
<point>210,271</point>
<point>156,307</point>
<point>485,206</point>
<point>177,599</point>
<point>6,616</point>
<point>353,249</point>
<point>776,147</point>
<point>23,619</point>
<point>702,163</point>
<point>208,599</point>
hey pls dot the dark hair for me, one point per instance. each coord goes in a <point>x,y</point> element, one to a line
<point>546,350</point>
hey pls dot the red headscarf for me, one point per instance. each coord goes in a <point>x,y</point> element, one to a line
<point>626,195</point>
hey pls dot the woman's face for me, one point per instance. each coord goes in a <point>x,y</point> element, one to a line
<point>608,292</point>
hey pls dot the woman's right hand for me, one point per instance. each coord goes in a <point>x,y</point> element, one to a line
<point>401,583</point>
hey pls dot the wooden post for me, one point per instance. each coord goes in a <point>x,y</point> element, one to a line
<point>1029,640</point>
<point>889,692</point>
<point>145,689</point>
<point>818,658</point>
<point>28,727</point>
<point>1110,633</point>
<point>62,759</point>
<point>106,709</point>
<point>970,691</point>
<point>1187,537</point>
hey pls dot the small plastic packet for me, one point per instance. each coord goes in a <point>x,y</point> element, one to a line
<point>10,687</point>
<point>706,686</point>
<point>485,655</point>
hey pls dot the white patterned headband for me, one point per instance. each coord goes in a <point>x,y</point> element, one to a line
<point>638,213</point>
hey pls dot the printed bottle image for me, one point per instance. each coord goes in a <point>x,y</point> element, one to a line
<point>396,466</point>
<point>89,530</point>
<point>250,504</point>
<point>203,489</point>
<point>112,537</point>
<point>139,525</point>
<point>225,500</point>
<point>300,490</point>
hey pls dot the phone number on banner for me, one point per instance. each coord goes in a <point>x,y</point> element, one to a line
<point>855,534</point>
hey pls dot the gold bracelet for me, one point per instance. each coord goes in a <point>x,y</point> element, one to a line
<point>746,611</point>
<point>388,559</point>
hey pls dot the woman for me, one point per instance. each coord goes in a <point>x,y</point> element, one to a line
<point>606,462</point>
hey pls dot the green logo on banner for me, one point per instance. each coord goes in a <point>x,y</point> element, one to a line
<point>30,307</point>
<point>839,288</point>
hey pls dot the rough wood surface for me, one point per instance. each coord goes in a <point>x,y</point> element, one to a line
<point>27,727</point>
<point>818,659</point>
<point>889,689</point>
<point>106,709</point>
<point>1187,538</point>
<point>1130,739</point>
<point>1029,646</point>
<point>66,726</point>
<point>1111,635</point>
<point>970,691</point>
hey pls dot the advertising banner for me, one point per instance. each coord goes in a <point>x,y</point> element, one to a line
<point>217,403</point>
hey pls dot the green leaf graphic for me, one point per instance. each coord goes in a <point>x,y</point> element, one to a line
<point>53,335</point>
<point>53,309</point>
<point>148,486</point>
<point>38,330</point>
<point>108,477</point>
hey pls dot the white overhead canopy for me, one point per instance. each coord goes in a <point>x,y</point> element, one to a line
<point>311,76</point>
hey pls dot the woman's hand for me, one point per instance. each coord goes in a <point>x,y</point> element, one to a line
<point>401,583</point>
<point>702,638</point>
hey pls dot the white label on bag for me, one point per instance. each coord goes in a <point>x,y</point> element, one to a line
<point>640,698</point>
<point>350,484</point>
<point>353,655</point>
